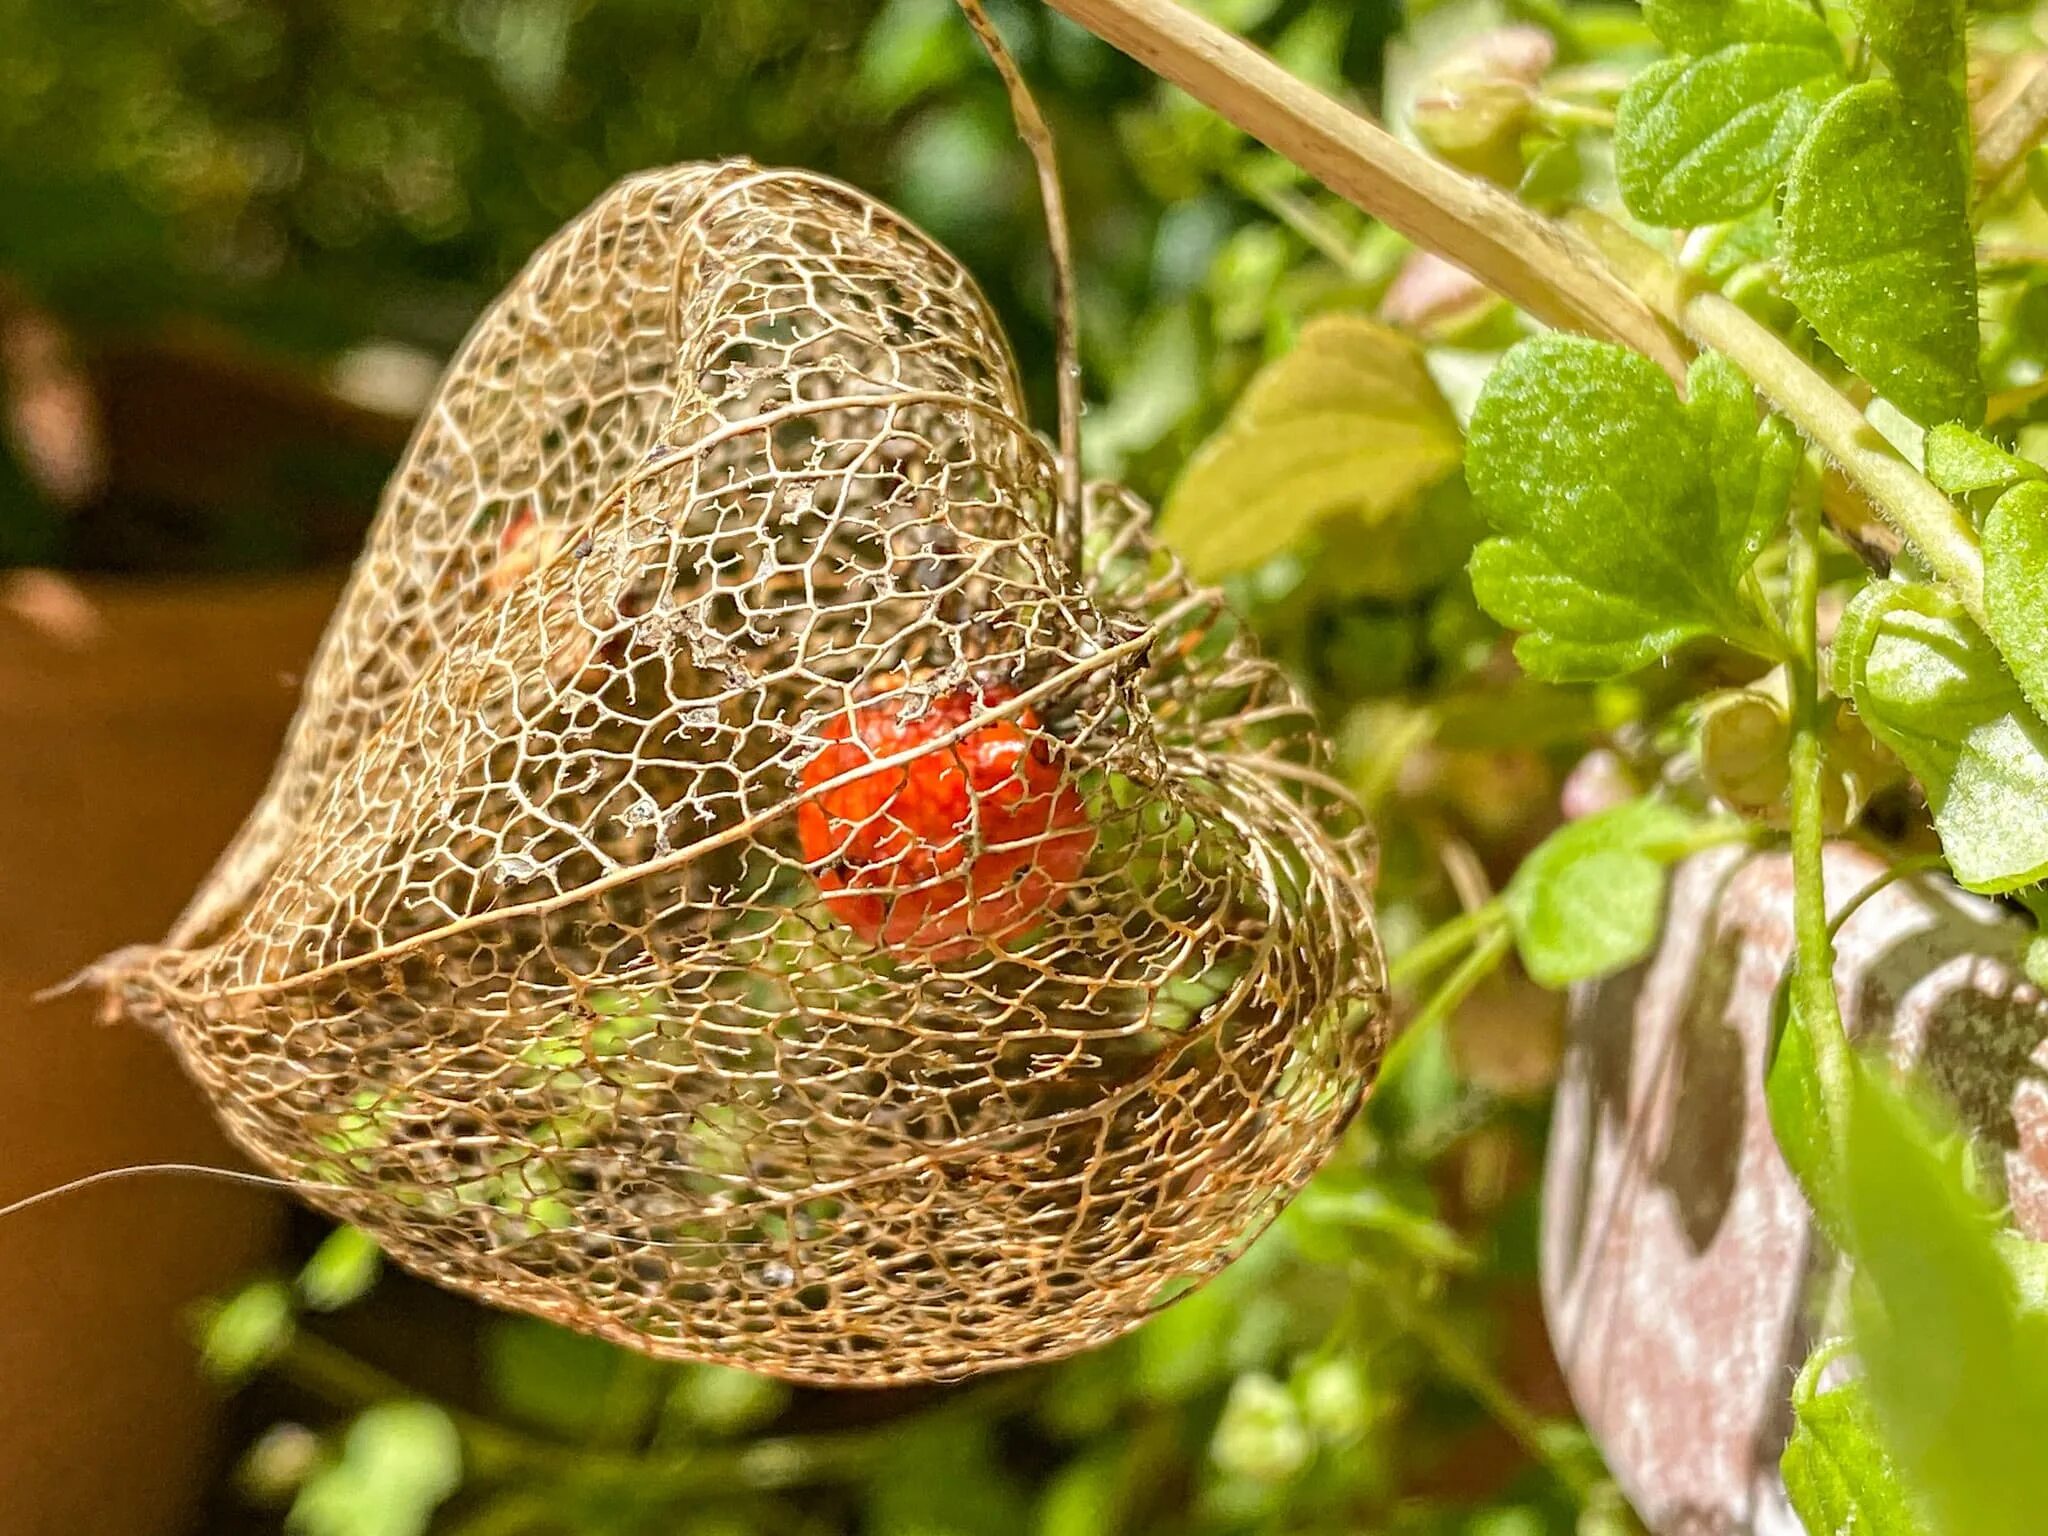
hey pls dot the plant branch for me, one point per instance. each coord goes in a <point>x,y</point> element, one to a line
<point>1813,965</point>
<point>1549,270</point>
<point>1514,250</point>
<point>1434,949</point>
<point>754,1466</point>
<point>1461,1364</point>
<point>1494,941</point>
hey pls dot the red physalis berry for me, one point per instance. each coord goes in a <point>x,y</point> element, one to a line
<point>524,546</point>
<point>965,845</point>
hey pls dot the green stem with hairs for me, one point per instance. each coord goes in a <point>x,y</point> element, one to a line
<point>1817,1009</point>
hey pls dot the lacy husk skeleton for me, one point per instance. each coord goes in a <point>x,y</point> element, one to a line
<point>521,964</point>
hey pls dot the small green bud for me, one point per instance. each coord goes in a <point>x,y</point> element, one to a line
<point>1482,101</point>
<point>1261,1435</point>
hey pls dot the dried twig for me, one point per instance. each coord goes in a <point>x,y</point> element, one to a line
<point>1037,137</point>
<point>1511,248</point>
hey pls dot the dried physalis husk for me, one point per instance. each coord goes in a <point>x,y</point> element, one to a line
<point>732,887</point>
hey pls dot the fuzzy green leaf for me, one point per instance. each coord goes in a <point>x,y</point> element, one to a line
<point>1700,141</point>
<point>1348,421</point>
<point>1929,685</point>
<point>1627,520</point>
<point>1800,1120</point>
<point>1837,1471</point>
<point>1750,467</point>
<point>1590,900</point>
<point>1700,26</point>
<point>1922,42</point>
<point>2016,585</point>
<point>1878,254</point>
<point>1956,1365</point>
<point>1572,632</point>
<point>1960,461</point>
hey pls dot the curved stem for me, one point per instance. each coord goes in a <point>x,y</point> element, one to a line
<point>1037,137</point>
<point>1813,965</point>
<point>1485,958</point>
<point>1434,949</point>
<point>754,1466</point>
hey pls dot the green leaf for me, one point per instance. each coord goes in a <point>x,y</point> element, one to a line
<point>1752,468</point>
<point>1700,141</point>
<point>1628,520</point>
<point>1922,42</point>
<point>1260,1435</point>
<point>1573,633</point>
<point>1800,1120</point>
<point>341,1271</point>
<point>1700,26</point>
<point>1878,255</point>
<point>1348,421</point>
<point>398,1463</point>
<point>248,1331</point>
<point>2016,585</point>
<point>1837,1472</point>
<point>1957,1368</point>
<point>1927,684</point>
<point>724,1401</point>
<point>1589,901</point>
<point>1960,461</point>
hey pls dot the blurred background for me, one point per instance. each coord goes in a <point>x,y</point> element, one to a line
<point>238,239</point>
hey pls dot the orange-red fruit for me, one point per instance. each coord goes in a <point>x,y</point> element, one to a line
<point>964,845</point>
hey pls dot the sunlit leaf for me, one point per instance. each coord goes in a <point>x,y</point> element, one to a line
<point>1590,900</point>
<point>1930,686</point>
<point>1960,461</point>
<point>1837,1472</point>
<point>1700,26</point>
<point>1699,141</point>
<point>398,1463</point>
<point>1957,1367</point>
<point>1877,252</point>
<point>1348,421</point>
<point>2016,585</point>
<point>342,1270</point>
<point>1627,520</point>
<point>247,1331</point>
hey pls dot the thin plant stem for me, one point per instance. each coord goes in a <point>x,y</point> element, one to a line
<point>1457,1360</point>
<point>1435,949</point>
<point>1037,137</point>
<point>1919,864</point>
<point>757,1466</point>
<point>1813,968</point>
<point>1306,220</point>
<point>1484,959</point>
